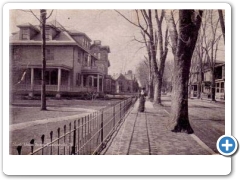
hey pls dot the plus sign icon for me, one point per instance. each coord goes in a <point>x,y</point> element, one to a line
<point>227,145</point>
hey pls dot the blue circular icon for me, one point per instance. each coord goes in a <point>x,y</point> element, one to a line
<point>227,145</point>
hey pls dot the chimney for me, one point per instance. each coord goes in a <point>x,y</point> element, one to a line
<point>97,42</point>
<point>129,71</point>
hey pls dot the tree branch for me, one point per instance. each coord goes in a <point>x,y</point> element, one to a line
<point>49,15</point>
<point>171,29</point>
<point>137,25</point>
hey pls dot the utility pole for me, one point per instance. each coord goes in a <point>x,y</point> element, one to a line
<point>43,14</point>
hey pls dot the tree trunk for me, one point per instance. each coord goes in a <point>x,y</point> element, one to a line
<point>43,90</point>
<point>150,90</point>
<point>199,86</point>
<point>213,88</point>
<point>153,54</point>
<point>222,23</point>
<point>157,90</point>
<point>189,25</point>
<point>200,79</point>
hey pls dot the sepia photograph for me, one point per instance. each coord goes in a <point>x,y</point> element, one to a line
<point>116,81</point>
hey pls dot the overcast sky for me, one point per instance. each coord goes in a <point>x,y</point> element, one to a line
<point>104,25</point>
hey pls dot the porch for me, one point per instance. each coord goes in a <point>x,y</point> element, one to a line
<point>58,81</point>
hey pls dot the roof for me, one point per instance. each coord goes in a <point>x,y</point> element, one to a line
<point>63,37</point>
<point>129,77</point>
<point>29,25</point>
<point>74,32</point>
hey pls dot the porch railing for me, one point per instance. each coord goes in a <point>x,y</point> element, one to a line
<point>63,88</point>
<point>85,136</point>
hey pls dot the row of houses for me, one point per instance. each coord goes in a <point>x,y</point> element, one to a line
<point>205,85</point>
<point>73,63</point>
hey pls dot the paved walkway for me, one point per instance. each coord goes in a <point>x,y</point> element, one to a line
<point>148,133</point>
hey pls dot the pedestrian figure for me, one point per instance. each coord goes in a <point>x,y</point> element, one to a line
<point>141,106</point>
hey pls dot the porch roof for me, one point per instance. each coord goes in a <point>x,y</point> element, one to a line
<point>93,72</point>
<point>48,65</point>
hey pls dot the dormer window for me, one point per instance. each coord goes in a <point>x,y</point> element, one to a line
<point>25,33</point>
<point>48,34</point>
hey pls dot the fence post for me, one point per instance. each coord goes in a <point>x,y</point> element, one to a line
<point>51,137</point>
<point>19,150</point>
<point>113,116</point>
<point>64,139</point>
<point>102,127</point>
<point>70,129</point>
<point>120,111</point>
<point>124,108</point>
<point>42,138</point>
<point>32,145</point>
<point>58,131</point>
<point>74,138</point>
<point>85,135</point>
<point>78,139</point>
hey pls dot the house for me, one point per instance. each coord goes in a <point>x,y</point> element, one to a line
<point>125,83</point>
<point>219,72</point>
<point>101,52</point>
<point>71,62</point>
<point>205,86</point>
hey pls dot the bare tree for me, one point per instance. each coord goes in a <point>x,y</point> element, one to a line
<point>199,51</point>
<point>150,74</point>
<point>163,50</point>
<point>220,12</point>
<point>211,38</point>
<point>183,44</point>
<point>153,38</point>
<point>168,76</point>
<point>142,73</point>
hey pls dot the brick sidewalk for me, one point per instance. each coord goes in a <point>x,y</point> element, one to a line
<point>148,134</point>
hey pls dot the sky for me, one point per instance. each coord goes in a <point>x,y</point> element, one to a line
<point>105,25</point>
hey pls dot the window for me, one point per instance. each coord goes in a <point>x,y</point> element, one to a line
<point>78,79</point>
<point>48,34</point>
<point>16,54</point>
<point>99,55</point>
<point>25,34</point>
<point>217,87</point>
<point>85,62</point>
<point>222,87</point>
<point>79,56</point>
<point>49,54</point>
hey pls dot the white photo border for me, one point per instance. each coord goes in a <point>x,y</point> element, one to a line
<point>115,165</point>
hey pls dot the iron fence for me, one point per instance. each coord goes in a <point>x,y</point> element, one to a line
<point>85,136</point>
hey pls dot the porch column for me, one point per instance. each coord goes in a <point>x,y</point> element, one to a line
<point>89,60</point>
<point>98,83</point>
<point>92,81</point>
<point>69,80</point>
<point>32,78</point>
<point>102,83</point>
<point>59,82</point>
<point>32,83</point>
<point>82,80</point>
